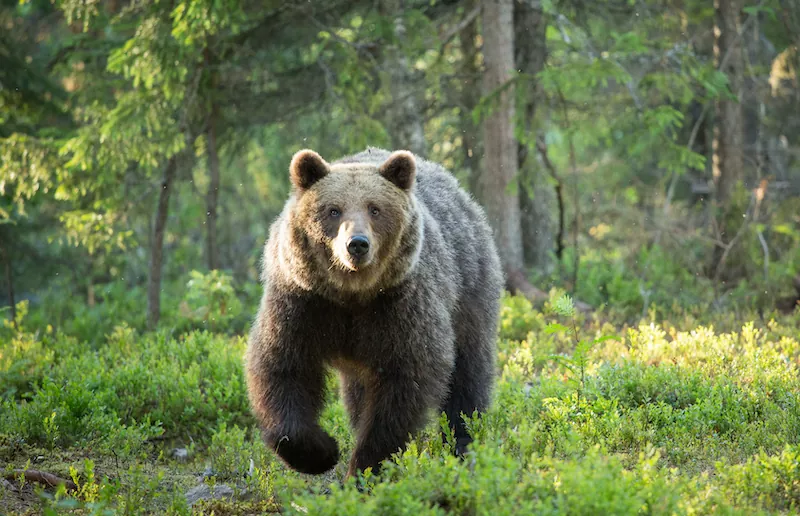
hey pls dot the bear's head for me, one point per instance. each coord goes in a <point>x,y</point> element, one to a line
<point>359,222</point>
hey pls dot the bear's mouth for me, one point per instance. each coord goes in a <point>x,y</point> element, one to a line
<point>354,265</point>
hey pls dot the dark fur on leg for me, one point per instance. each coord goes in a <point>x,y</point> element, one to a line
<point>353,397</point>
<point>311,452</point>
<point>286,384</point>
<point>395,408</point>
<point>472,380</point>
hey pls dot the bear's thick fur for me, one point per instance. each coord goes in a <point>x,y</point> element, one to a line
<point>383,268</point>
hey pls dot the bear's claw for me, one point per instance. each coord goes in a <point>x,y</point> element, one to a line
<point>312,454</point>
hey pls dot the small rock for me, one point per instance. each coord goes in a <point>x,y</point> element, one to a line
<point>180,454</point>
<point>5,484</point>
<point>206,492</point>
<point>526,389</point>
<point>208,472</point>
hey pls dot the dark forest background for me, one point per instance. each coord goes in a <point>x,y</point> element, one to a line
<point>635,153</point>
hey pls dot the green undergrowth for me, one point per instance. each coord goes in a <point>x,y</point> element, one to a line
<point>667,417</point>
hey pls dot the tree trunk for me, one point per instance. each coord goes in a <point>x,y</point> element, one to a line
<point>728,166</point>
<point>10,285</point>
<point>469,98</point>
<point>498,186</point>
<point>405,120</point>
<point>157,249</point>
<point>212,251</point>
<point>536,195</point>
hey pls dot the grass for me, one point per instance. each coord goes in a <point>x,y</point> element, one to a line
<point>670,417</point>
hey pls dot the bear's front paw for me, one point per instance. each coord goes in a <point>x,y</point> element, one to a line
<point>462,443</point>
<point>312,453</point>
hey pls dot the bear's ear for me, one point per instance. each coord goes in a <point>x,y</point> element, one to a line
<point>307,168</point>
<point>400,168</point>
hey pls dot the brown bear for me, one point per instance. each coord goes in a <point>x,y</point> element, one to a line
<point>383,268</point>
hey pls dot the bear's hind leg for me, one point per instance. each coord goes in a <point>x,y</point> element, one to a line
<point>473,377</point>
<point>467,395</point>
<point>353,397</point>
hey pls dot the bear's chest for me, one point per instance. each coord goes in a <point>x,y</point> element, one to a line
<point>365,333</point>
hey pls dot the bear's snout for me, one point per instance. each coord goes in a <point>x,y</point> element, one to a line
<point>358,246</point>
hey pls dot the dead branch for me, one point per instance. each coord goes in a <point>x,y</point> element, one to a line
<point>517,284</point>
<point>541,146</point>
<point>755,203</point>
<point>40,477</point>
<point>460,26</point>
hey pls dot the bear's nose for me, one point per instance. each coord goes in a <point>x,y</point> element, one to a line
<point>358,246</point>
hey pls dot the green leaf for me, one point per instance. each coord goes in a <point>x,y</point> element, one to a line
<point>605,338</point>
<point>564,306</point>
<point>555,328</point>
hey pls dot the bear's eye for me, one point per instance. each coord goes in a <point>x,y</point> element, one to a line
<point>374,211</point>
<point>334,212</point>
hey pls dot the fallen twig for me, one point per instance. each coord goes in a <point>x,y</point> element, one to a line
<point>40,477</point>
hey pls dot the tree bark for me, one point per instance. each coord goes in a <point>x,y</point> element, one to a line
<point>469,98</point>
<point>536,196</point>
<point>157,249</point>
<point>212,251</point>
<point>10,285</point>
<point>405,120</point>
<point>728,166</point>
<point>498,186</point>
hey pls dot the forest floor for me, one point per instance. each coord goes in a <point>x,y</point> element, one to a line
<point>667,417</point>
